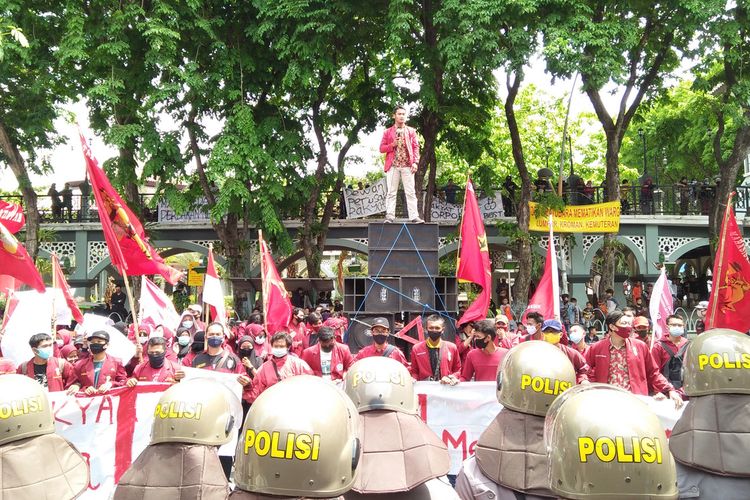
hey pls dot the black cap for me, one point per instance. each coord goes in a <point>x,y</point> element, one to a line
<point>380,322</point>
<point>101,334</point>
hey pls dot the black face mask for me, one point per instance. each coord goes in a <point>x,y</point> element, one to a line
<point>156,360</point>
<point>97,348</point>
<point>480,343</point>
<point>245,353</point>
<point>380,339</point>
<point>197,346</point>
<point>434,335</point>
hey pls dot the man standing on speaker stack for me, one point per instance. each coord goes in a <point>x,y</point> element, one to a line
<point>401,148</point>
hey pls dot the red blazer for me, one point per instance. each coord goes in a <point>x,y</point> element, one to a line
<point>145,373</point>
<point>388,146</point>
<point>60,373</point>
<point>370,350</point>
<point>645,377</point>
<point>266,376</point>
<point>341,360</point>
<point>111,368</point>
<point>450,361</point>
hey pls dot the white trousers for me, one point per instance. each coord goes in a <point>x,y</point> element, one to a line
<point>393,176</point>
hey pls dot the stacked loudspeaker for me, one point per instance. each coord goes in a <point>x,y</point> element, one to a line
<point>403,277</point>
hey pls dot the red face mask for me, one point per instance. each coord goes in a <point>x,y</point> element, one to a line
<point>624,331</point>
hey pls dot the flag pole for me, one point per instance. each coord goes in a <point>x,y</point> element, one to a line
<point>206,307</point>
<point>8,296</point>
<point>55,263</point>
<point>718,264</point>
<point>132,305</point>
<point>263,293</point>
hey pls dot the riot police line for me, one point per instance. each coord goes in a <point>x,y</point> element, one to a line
<point>306,438</point>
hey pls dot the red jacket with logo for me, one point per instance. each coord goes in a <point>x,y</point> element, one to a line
<point>643,372</point>
<point>388,146</point>
<point>112,370</point>
<point>370,350</point>
<point>146,373</point>
<point>267,376</point>
<point>60,373</point>
<point>341,360</point>
<point>450,361</point>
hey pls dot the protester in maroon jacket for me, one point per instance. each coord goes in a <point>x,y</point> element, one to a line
<point>281,365</point>
<point>434,358</point>
<point>56,374</point>
<point>483,362</point>
<point>552,333</point>
<point>626,362</point>
<point>328,359</point>
<point>100,372</point>
<point>380,329</point>
<point>157,368</point>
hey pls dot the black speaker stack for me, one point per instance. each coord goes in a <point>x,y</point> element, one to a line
<point>403,277</point>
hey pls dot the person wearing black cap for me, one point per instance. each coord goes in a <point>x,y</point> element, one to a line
<point>100,372</point>
<point>327,358</point>
<point>380,329</point>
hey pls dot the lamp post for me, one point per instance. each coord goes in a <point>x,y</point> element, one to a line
<point>642,135</point>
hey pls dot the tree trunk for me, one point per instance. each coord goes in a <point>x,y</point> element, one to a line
<point>523,244</point>
<point>18,166</point>
<point>609,248</point>
<point>426,161</point>
<point>729,169</point>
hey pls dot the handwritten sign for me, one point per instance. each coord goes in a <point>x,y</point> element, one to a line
<point>365,202</point>
<point>197,214</point>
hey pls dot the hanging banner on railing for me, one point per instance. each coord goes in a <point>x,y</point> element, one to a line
<point>599,218</point>
<point>199,214</point>
<point>365,202</point>
<point>491,208</point>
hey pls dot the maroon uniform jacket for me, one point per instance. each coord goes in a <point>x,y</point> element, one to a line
<point>450,361</point>
<point>341,360</point>
<point>60,373</point>
<point>111,368</point>
<point>644,374</point>
<point>370,350</point>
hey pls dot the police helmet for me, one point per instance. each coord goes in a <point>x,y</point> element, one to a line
<point>532,375</point>
<point>198,411</point>
<point>604,443</point>
<point>380,383</point>
<point>717,362</point>
<point>24,409</point>
<point>300,438</point>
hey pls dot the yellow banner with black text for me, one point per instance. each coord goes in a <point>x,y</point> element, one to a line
<point>598,218</point>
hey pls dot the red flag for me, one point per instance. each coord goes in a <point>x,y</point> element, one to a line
<point>128,245</point>
<point>277,308</point>
<point>212,293</point>
<point>661,306</point>
<point>11,214</point>
<point>8,284</point>
<point>420,332</point>
<point>474,257</point>
<point>15,261</point>
<point>546,299</point>
<point>730,295</point>
<point>59,280</point>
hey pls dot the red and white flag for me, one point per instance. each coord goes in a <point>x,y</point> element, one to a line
<point>404,332</point>
<point>661,306</point>
<point>546,299</point>
<point>61,284</point>
<point>212,292</point>
<point>156,308</point>
<point>11,215</point>
<point>16,262</point>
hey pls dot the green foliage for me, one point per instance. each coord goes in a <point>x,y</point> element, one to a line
<point>546,203</point>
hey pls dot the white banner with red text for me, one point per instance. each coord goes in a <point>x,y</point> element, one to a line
<point>459,414</point>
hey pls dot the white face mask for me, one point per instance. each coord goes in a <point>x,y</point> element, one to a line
<point>530,329</point>
<point>260,340</point>
<point>279,352</point>
<point>575,337</point>
<point>187,324</point>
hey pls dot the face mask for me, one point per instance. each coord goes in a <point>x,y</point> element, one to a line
<point>215,341</point>
<point>187,324</point>
<point>156,360</point>
<point>197,346</point>
<point>44,352</point>
<point>434,336</point>
<point>183,341</point>
<point>97,348</point>
<point>676,331</point>
<point>624,331</point>
<point>380,339</point>
<point>575,337</point>
<point>143,339</point>
<point>59,342</point>
<point>84,349</point>
<point>552,338</point>
<point>642,334</point>
<point>531,330</point>
<point>279,352</point>
<point>480,343</point>
<point>260,340</point>
<point>246,353</point>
